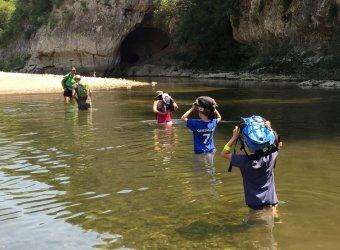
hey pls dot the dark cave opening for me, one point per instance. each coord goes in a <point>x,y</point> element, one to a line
<point>141,46</point>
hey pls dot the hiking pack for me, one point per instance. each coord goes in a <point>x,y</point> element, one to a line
<point>261,139</point>
<point>83,90</point>
<point>255,133</point>
<point>168,103</point>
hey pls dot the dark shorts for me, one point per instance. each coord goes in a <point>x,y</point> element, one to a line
<point>261,207</point>
<point>84,103</point>
<point>68,93</point>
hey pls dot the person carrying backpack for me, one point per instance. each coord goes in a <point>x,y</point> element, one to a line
<point>203,129</point>
<point>82,93</point>
<point>260,144</point>
<point>67,83</point>
<point>163,105</point>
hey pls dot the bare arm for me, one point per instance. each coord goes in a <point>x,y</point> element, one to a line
<point>174,104</point>
<point>186,114</point>
<point>74,92</point>
<point>218,116</point>
<point>278,142</point>
<point>155,110</point>
<point>226,154</point>
<point>63,84</point>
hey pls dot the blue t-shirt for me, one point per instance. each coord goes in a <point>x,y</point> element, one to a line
<point>203,133</point>
<point>258,178</point>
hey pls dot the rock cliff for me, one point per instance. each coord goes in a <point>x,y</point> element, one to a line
<point>117,36</point>
<point>86,34</point>
<point>310,22</point>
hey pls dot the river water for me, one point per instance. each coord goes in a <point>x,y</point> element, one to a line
<point>111,179</point>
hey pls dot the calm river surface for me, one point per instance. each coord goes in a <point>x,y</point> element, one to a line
<point>111,179</point>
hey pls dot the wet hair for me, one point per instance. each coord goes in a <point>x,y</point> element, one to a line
<point>206,105</point>
<point>158,95</point>
<point>208,112</point>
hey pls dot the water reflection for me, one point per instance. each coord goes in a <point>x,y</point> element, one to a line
<point>71,114</point>
<point>85,118</point>
<point>260,225</point>
<point>165,140</point>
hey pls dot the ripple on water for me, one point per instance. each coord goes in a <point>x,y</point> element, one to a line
<point>125,191</point>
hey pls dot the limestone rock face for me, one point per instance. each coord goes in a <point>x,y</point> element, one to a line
<point>86,34</point>
<point>309,22</point>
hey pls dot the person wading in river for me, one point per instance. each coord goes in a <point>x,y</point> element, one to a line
<point>257,169</point>
<point>67,84</point>
<point>203,129</point>
<point>82,93</point>
<point>163,105</point>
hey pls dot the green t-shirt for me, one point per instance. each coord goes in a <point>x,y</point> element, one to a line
<point>69,81</point>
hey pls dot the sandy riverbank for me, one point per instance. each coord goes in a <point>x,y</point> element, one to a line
<point>20,83</point>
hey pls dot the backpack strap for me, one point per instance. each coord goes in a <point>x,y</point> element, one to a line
<point>277,145</point>
<point>241,148</point>
<point>231,164</point>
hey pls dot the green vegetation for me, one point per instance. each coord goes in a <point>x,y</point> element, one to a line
<point>165,11</point>
<point>68,16</point>
<point>15,61</point>
<point>274,55</point>
<point>333,12</point>
<point>17,16</point>
<point>6,10</point>
<point>201,27</point>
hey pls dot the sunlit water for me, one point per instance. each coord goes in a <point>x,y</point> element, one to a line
<point>111,179</point>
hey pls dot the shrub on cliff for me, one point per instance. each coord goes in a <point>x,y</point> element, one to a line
<point>203,29</point>
<point>6,10</point>
<point>17,16</point>
<point>276,55</point>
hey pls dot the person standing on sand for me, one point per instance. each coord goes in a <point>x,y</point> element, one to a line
<point>67,83</point>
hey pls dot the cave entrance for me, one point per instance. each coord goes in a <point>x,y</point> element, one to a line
<point>141,46</point>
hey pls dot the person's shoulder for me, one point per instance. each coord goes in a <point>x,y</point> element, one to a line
<point>275,153</point>
<point>193,120</point>
<point>239,160</point>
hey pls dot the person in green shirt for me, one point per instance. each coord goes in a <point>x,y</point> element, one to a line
<point>67,83</point>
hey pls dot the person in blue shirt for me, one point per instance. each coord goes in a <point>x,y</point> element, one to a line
<point>203,129</point>
<point>258,174</point>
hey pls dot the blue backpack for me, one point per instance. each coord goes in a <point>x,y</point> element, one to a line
<point>255,133</point>
<point>257,136</point>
